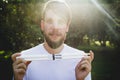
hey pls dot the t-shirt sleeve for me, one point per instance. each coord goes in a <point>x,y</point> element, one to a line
<point>25,77</point>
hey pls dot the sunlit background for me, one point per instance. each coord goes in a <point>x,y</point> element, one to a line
<point>95,26</point>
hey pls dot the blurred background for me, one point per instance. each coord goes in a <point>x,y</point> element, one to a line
<point>95,26</point>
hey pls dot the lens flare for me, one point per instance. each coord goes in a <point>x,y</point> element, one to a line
<point>110,22</point>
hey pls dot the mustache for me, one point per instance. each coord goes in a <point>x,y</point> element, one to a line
<point>55,33</point>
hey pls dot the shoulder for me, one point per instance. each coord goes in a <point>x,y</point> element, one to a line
<point>72,50</point>
<point>33,50</point>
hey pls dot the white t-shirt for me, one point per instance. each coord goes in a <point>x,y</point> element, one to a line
<point>63,69</point>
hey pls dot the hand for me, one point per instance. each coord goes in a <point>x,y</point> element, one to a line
<point>19,67</point>
<point>84,66</point>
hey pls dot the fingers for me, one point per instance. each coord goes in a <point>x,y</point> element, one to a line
<point>84,64</point>
<point>19,61</point>
<point>14,56</point>
<point>19,66</point>
<point>21,71</point>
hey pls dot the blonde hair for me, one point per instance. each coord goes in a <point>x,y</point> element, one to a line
<point>58,6</point>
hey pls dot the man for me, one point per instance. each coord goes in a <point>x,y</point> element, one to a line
<point>54,25</point>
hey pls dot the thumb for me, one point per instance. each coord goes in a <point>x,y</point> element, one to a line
<point>27,63</point>
<point>13,57</point>
<point>91,55</point>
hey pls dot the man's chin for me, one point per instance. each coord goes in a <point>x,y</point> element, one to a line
<point>55,45</point>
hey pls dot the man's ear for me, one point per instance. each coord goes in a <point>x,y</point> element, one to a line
<point>42,25</point>
<point>67,28</point>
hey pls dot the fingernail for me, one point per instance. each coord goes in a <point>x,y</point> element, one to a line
<point>90,50</point>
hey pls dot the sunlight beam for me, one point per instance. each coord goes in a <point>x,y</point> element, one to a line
<point>109,24</point>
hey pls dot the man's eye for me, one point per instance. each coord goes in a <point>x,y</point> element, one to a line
<point>61,22</point>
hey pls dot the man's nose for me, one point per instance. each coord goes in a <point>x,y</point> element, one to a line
<point>55,25</point>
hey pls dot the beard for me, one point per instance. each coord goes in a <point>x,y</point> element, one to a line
<point>54,44</point>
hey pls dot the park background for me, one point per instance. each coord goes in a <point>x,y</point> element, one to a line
<point>95,26</point>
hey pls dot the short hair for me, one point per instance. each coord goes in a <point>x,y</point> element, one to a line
<point>60,7</point>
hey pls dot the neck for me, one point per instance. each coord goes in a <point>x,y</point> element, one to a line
<point>51,50</point>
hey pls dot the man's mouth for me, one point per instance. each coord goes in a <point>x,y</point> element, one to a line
<point>55,34</point>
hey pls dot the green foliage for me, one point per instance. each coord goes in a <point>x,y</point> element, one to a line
<point>95,48</point>
<point>19,26</point>
<point>5,55</point>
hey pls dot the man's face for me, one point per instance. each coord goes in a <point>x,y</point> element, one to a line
<point>54,28</point>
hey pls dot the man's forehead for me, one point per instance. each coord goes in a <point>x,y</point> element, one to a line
<point>53,14</point>
<point>49,13</point>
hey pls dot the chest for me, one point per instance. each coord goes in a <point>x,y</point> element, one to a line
<point>52,70</point>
